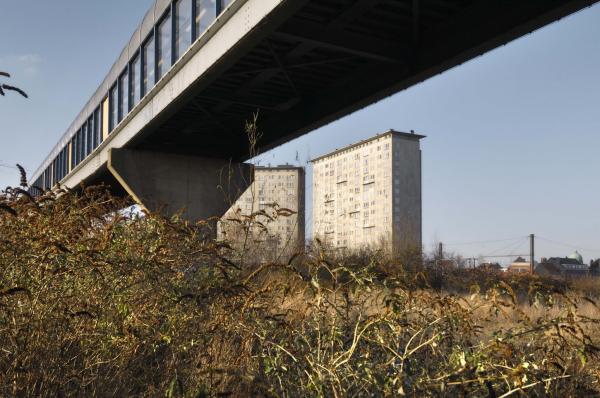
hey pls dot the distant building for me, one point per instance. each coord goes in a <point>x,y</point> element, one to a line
<point>490,266</point>
<point>595,267</point>
<point>571,266</point>
<point>520,265</point>
<point>369,193</point>
<point>268,218</point>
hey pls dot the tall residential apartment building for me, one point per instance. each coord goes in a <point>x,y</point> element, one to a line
<point>369,194</point>
<point>276,199</point>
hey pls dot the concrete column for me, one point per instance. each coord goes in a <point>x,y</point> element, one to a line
<point>165,182</point>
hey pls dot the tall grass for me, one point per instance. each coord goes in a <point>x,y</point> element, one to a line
<point>94,302</point>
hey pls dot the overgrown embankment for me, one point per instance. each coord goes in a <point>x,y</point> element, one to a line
<point>97,303</point>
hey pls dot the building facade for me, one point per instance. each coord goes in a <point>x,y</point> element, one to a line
<point>369,194</point>
<point>520,265</point>
<point>571,266</point>
<point>267,220</point>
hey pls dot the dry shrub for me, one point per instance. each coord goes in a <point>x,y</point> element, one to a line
<point>94,302</point>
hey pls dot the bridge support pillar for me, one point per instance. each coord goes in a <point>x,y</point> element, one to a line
<point>201,187</point>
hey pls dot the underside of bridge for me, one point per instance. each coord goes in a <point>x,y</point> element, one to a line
<point>309,62</point>
<point>330,58</point>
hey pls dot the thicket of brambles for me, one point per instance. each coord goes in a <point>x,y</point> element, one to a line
<point>96,302</point>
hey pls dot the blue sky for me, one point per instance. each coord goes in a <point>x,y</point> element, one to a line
<point>512,147</point>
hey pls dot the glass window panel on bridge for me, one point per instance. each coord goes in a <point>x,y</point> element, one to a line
<point>164,46</point>
<point>97,127</point>
<point>148,55</point>
<point>136,82</point>
<point>105,119</point>
<point>225,4</point>
<point>114,110</point>
<point>73,146</point>
<point>90,136</point>
<point>76,149</point>
<point>80,145</point>
<point>206,12</point>
<point>59,166</point>
<point>74,152</point>
<point>123,95</point>
<point>77,143</point>
<point>83,146</point>
<point>183,26</point>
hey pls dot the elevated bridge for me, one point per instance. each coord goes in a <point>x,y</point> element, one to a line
<point>169,117</point>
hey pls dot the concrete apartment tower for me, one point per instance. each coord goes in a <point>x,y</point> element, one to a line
<point>276,231</point>
<point>369,194</point>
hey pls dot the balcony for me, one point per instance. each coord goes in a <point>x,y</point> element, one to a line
<point>370,180</point>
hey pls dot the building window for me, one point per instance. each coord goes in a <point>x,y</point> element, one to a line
<point>206,11</point>
<point>136,82</point>
<point>114,109</point>
<point>123,95</point>
<point>183,26</point>
<point>148,61</point>
<point>163,45</point>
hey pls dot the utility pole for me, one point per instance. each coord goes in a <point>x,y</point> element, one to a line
<point>531,253</point>
<point>441,251</point>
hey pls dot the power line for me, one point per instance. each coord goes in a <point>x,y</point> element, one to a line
<point>505,255</point>
<point>508,248</point>
<point>567,244</point>
<point>484,241</point>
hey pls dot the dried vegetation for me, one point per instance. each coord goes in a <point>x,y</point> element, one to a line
<point>97,303</point>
